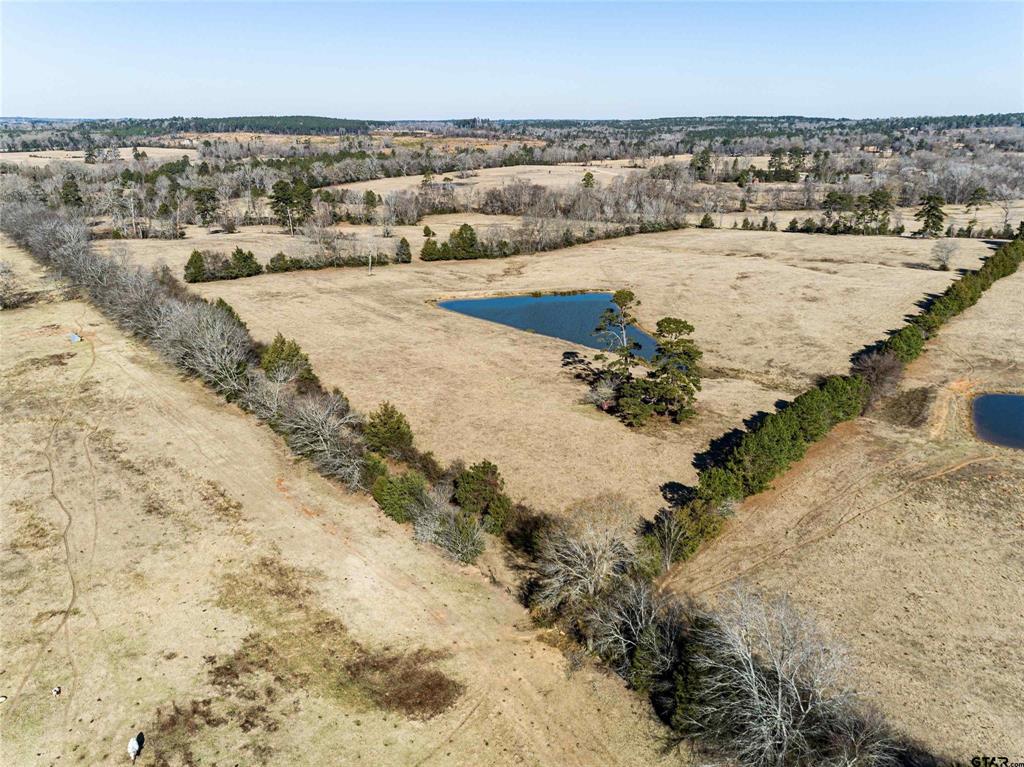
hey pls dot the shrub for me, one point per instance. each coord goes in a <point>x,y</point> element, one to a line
<point>847,396</point>
<point>206,266</point>
<point>676,534</point>
<point>906,344</point>
<point>244,264</point>
<point>284,361</point>
<point>813,413</point>
<point>11,293</point>
<point>765,689</point>
<point>576,567</point>
<point>282,263</point>
<point>224,306</point>
<point>322,428</point>
<point>706,222</point>
<point>881,371</point>
<point>782,438</point>
<point>479,490</point>
<point>403,252</point>
<point>719,483</point>
<point>767,450</point>
<point>437,521</point>
<point>397,496</point>
<point>430,251</point>
<point>387,431</point>
<point>373,469</point>
<point>195,269</point>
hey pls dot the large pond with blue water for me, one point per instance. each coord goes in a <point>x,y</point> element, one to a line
<point>571,318</point>
<point>999,419</point>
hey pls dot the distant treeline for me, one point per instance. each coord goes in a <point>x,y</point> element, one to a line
<point>289,124</point>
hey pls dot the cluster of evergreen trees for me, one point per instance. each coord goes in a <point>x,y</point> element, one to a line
<point>780,439</point>
<point>207,265</point>
<point>670,380</point>
<point>291,203</point>
<point>463,244</point>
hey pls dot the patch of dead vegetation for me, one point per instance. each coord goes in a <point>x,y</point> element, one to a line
<point>405,681</point>
<point>177,729</point>
<point>909,408</point>
<point>45,361</point>
<point>300,645</point>
<point>111,450</point>
<point>216,498</point>
<point>33,533</point>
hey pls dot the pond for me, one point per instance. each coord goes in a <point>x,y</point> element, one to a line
<point>999,419</point>
<point>571,318</point>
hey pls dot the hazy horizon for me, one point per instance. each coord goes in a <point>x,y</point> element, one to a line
<point>426,61</point>
<point>497,118</point>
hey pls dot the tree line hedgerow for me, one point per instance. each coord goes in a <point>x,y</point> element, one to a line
<point>751,461</point>
<point>209,266</point>
<point>465,244</point>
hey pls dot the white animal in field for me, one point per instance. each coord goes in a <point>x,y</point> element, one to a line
<point>55,691</point>
<point>135,746</point>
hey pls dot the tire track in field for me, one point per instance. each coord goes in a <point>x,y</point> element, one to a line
<point>62,626</point>
<point>844,520</point>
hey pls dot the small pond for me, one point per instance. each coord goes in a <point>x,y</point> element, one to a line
<point>571,318</point>
<point>999,419</point>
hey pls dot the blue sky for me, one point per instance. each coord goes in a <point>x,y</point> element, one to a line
<point>429,60</point>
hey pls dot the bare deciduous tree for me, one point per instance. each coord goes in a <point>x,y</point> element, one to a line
<point>771,691</point>
<point>943,252</point>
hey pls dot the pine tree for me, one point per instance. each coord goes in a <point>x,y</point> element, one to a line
<point>70,194</point>
<point>931,215</point>
<point>430,251</point>
<point>195,269</point>
<point>403,252</point>
<point>206,204</point>
<point>614,325</point>
<point>675,375</point>
<point>284,360</point>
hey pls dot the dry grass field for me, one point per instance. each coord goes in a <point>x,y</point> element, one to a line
<point>904,533</point>
<point>169,566</point>
<point>40,158</point>
<point>771,311</point>
<point>956,215</point>
<point>268,240</point>
<point>490,178</point>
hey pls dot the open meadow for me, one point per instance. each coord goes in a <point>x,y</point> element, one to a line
<point>171,568</point>
<point>772,312</point>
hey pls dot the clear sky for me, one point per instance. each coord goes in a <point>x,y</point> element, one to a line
<point>492,59</point>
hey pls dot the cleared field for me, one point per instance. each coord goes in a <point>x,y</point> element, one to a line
<point>907,541</point>
<point>957,215</point>
<point>267,241</point>
<point>758,161</point>
<point>772,311</point>
<point>38,159</point>
<point>170,567</point>
<point>489,178</point>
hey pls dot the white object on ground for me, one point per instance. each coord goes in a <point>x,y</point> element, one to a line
<point>135,747</point>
